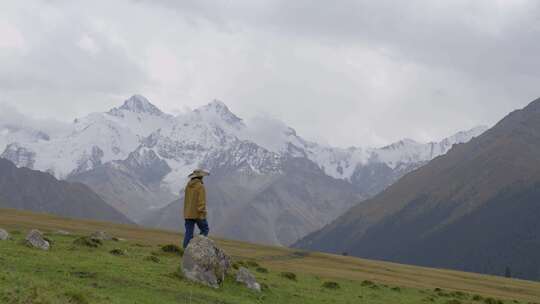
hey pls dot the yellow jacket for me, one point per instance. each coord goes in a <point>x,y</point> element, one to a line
<point>195,200</point>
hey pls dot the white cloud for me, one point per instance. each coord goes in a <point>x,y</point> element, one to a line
<point>88,44</point>
<point>10,36</point>
<point>353,73</point>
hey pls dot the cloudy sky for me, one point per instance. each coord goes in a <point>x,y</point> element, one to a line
<point>342,72</point>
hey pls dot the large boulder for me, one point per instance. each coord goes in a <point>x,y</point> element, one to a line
<point>245,277</point>
<point>204,262</point>
<point>4,235</point>
<point>35,239</point>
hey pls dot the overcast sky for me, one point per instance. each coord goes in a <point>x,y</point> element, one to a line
<point>343,72</point>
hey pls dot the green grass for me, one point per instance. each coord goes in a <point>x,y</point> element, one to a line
<point>72,272</point>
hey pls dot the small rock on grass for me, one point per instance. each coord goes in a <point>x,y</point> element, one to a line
<point>245,277</point>
<point>63,232</point>
<point>35,239</point>
<point>4,235</point>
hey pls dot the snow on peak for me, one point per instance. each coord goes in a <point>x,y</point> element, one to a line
<point>139,104</point>
<point>219,110</point>
<point>400,144</point>
<point>467,135</point>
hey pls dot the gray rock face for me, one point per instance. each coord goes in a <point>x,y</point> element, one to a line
<point>101,235</point>
<point>19,155</point>
<point>245,277</point>
<point>4,235</point>
<point>35,239</point>
<point>204,262</point>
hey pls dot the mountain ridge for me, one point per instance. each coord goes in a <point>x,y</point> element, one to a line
<point>449,213</point>
<point>138,158</point>
<point>22,188</point>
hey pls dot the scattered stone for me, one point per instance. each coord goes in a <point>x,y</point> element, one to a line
<point>118,252</point>
<point>63,232</point>
<point>35,239</point>
<point>204,262</point>
<point>330,285</point>
<point>116,239</point>
<point>88,242</point>
<point>4,235</point>
<point>245,277</point>
<point>101,235</point>
<point>174,249</point>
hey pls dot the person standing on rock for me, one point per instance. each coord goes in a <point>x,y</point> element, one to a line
<point>195,205</point>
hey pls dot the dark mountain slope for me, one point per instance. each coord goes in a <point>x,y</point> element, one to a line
<point>476,208</point>
<point>38,191</point>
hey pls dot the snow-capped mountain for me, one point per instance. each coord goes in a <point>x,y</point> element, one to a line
<point>342,163</point>
<point>138,147</point>
<point>90,141</point>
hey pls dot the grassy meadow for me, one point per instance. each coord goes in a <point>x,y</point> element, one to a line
<point>137,270</point>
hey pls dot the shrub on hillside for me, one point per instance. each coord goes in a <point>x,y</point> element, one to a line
<point>331,285</point>
<point>458,294</point>
<point>87,241</point>
<point>288,275</point>
<point>367,283</point>
<point>117,252</point>
<point>152,258</point>
<point>76,297</point>
<point>252,264</point>
<point>492,301</point>
<point>174,249</point>
<point>261,270</point>
<point>477,298</point>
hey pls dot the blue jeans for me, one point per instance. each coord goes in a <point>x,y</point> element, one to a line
<point>190,227</point>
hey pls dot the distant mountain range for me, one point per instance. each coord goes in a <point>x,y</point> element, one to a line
<point>22,188</point>
<point>477,208</point>
<point>137,158</point>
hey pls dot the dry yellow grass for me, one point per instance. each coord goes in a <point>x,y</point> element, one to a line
<point>284,259</point>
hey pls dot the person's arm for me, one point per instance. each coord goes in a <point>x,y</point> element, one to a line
<point>201,202</point>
